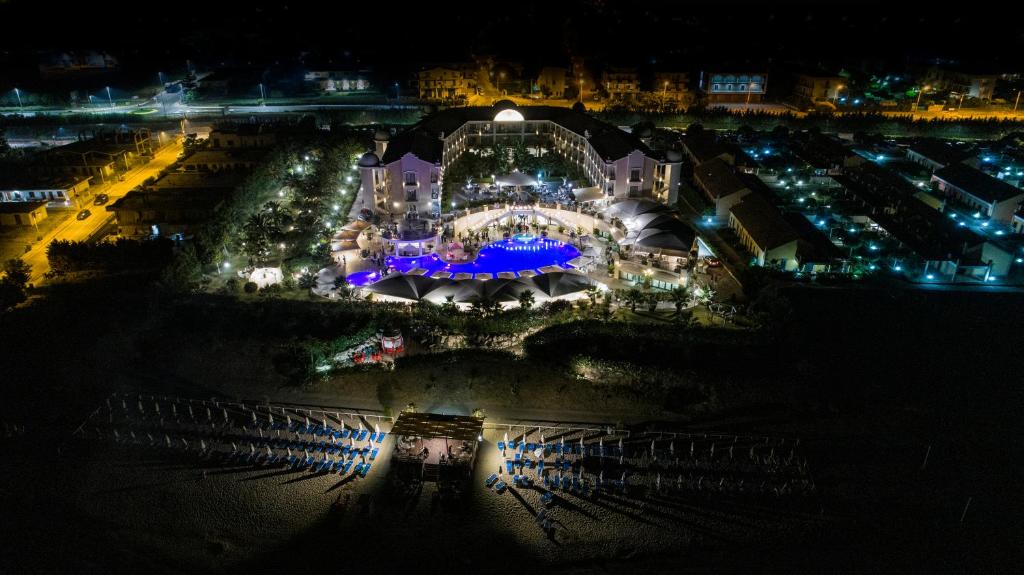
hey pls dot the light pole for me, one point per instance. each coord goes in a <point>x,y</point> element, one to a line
<point>109,98</point>
<point>160,77</point>
<point>917,105</point>
<point>1017,102</point>
<point>835,99</point>
<point>17,93</point>
<point>263,99</point>
<point>581,89</point>
<point>958,106</point>
<point>398,94</point>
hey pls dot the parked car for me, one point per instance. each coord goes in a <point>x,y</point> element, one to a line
<point>101,199</point>
<point>84,214</point>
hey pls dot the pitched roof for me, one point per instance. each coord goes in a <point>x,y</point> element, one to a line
<point>941,151</point>
<point>424,138</point>
<point>763,222</point>
<point>978,183</point>
<point>719,177</point>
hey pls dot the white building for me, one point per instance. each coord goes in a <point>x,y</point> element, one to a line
<point>405,173</point>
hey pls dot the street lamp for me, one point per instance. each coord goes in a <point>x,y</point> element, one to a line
<point>17,93</point>
<point>1017,102</point>
<point>109,99</point>
<point>917,105</point>
<point>835,99</point>
<point>160,77</point>
<point>398,94</point>
<point>263,99</point>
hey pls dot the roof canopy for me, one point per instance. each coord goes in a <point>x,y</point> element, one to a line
<point>431,425</point>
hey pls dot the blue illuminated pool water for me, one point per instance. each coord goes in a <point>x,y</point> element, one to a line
<point>520,252</point>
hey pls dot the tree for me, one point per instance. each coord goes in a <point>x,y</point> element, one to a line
<point>17,272</point>
<point>307,280</point>
<point>526,299</point>
<point>633,298</point>
<point>448,308</point>
<point>679,298</point>
<point>652,301</point>
<point>258,233</point>
<point>13,283</point>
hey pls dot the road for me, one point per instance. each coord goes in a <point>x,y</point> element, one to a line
<point>81,230</point>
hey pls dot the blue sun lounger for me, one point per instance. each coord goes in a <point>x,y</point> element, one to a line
<point>366,469</point>
<point>566,483</point>
<point>491,480</point>
<point>359,468</point>
<point>362,435</point>
<point>501,445</point>
<point>515,480</point>
<point>373,454</point>
<point>347,468</point>
<point>508,466</point>
<point>500,487</point>
<point>518,456</point>
<point>547,498</point>
<point>540,466</point>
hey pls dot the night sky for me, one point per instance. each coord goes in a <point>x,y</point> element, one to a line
<point>395,37</point>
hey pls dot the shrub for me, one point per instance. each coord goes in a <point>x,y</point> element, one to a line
<point>250,287</point>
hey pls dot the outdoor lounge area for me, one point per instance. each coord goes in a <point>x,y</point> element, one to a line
<point>435,447</point>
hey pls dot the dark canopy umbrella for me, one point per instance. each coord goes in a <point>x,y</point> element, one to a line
<point>557,284</point>
<point>411,287</point>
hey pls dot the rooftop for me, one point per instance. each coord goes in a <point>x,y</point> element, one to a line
<point>430,425</point>
<point>978,183</point>
<point>941,151</point>
<point>424,139</point>
<point>764,222</point>
<point>719,178</point>
<point>20,207</point>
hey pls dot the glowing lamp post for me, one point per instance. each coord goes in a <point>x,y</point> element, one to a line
<point>109,98</point>
<point>17,93</point>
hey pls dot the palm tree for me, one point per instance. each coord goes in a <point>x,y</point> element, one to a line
<point>679,298</point>
<point>526,299</point>
<point>633,298</point>
<point>258,232</point>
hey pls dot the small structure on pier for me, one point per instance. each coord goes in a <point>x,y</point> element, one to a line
<point>436,447</point>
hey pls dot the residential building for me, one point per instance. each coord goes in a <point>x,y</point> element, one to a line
<point>672,86</point>
<point>721,184</point>
<point>216,160</point>
<point>734,88</point>
<point>28,213</point>
<point>407,178</point>
<point>171,212</point>
<point>621,84</point>
<point>552,81</point>
<point>961,82</point>
<point>827,154</point>
<point>992,197</point>
<point>811,88</point>
<point>234,136</point>
<point>335,81</point>
<point>765,233</point>
<point>445,84</point>
<point>704,147</point>
<point>99,157</point>
<point>56,191</point>
<point>937,154</point>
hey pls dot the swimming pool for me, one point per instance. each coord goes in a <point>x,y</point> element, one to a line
<point>520,252</point>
